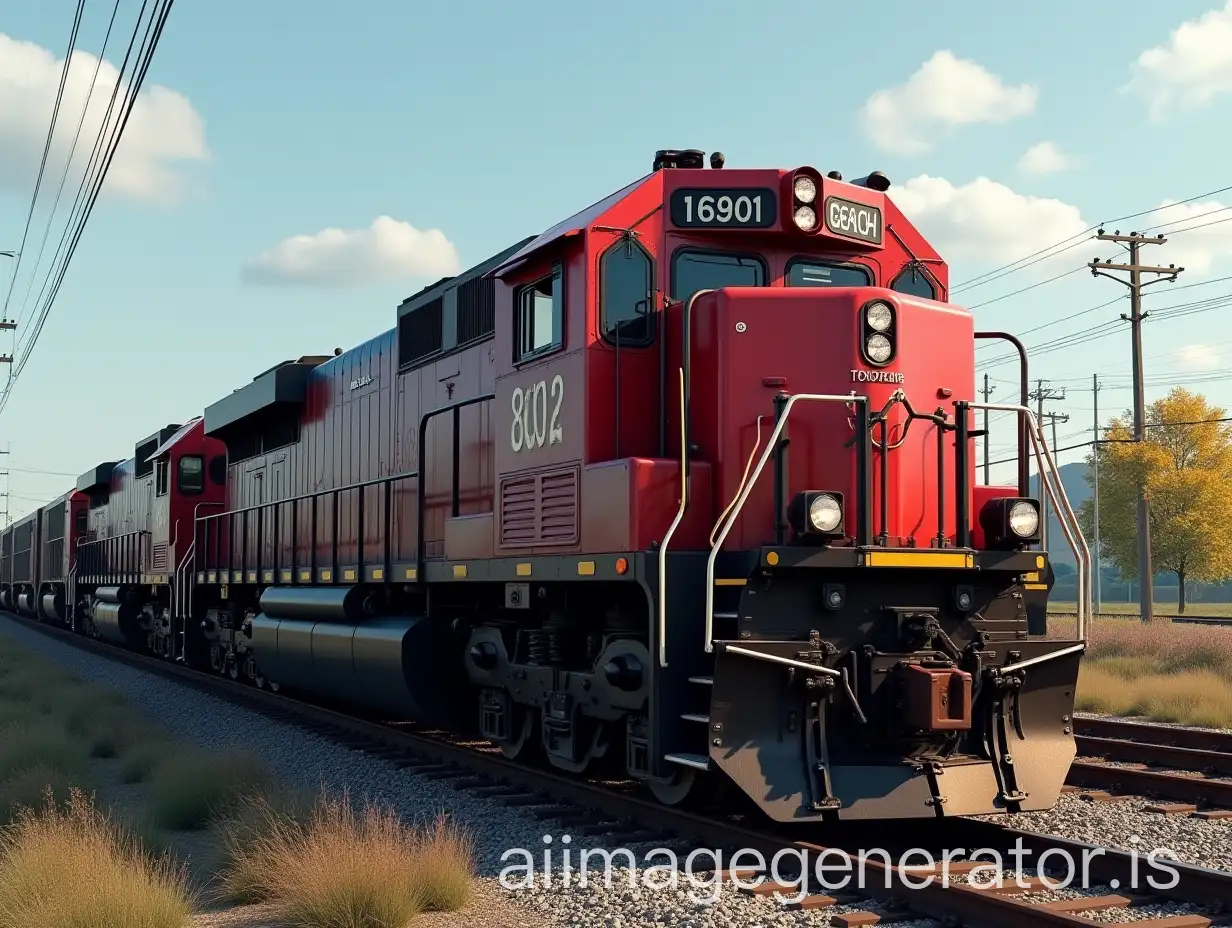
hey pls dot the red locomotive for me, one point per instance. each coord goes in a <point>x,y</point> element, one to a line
<point>681,487</point>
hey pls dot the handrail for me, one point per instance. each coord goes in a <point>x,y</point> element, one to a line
<point>685,369</point>
<point>671,530</point>
<point>1050,483</point>
<point>336,492</point>
<point>771,444</point>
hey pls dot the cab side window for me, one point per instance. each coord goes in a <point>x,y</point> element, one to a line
<point>540,316</point>
<point>191,474</point>
<point>626,275</point>
<point>915,281</point>
<point>161,469</point>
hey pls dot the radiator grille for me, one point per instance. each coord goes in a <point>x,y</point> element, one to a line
<point>540,509</point>
<point>160,557</point>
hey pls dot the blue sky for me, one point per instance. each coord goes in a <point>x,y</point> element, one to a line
<point>471,124</point>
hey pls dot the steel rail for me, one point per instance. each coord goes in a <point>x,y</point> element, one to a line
<point>954,903</point>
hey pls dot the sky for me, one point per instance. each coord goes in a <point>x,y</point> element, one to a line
<point>291,171</point>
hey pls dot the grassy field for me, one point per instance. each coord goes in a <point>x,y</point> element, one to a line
<point>1161,671</point>
<point>106,820</point>
<point>1160,608</point>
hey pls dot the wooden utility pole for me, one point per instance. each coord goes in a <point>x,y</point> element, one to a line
<point>1133,243</point>
<point>1095,474</point>
<point>1040,394</point>
<point>986,392</point>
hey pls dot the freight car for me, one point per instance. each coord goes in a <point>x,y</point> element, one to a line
<point>681,488</point>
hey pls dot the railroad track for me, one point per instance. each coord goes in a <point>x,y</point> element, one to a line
<point>1115,880</point>
<point>1191,766</point>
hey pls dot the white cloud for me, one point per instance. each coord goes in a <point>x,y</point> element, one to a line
<point>945,92</point>
<point>386,250</point>
<point>163,130</point>
<point>984,221</point>
<point>1198,358</point>
<point>1189,69</point>
<point>1044,158</point>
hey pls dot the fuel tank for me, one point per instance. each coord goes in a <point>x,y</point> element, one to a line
<point>406,666</point>
<point>116,619</point>
<point>26,604</point>
<point>53,605</point>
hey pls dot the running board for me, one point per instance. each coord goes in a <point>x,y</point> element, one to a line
<point>696,761</point>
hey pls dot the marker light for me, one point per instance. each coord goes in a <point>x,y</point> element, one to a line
<point>878,349</point>
<point>805,218</point>
<point>805,189</point>
<point>879,316</point>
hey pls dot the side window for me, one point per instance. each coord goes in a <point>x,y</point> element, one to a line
<point>192,474</point>
<point>540,308</point>
<point>218,469</point>
<point>916,281</point>
<point>161,468</point>
<point>626,275</point>
<point>82,520</point>
<point>806,273</point>
<point>712,270</point>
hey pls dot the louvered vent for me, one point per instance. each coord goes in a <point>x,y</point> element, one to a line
<point>518,498</point>
<point>476,309</point>
<point>540,509</point>
<point>420,332</point>
<point>558,508</point>
<point>160,557</point>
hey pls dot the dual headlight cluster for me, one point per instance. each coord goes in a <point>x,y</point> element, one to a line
<point>877,340</point>
<point>804,192</point>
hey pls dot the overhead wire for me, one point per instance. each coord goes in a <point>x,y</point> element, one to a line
<point>68,161</point>
<point>51,131</point>
<point>153,33</point>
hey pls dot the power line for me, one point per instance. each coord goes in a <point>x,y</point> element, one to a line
<point>153,33</point>
<point>68,161</point>
<point>995,273</point>
<point>51,131</point>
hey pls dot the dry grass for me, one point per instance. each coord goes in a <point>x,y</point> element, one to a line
<point>341,868</point>
<point>191,788</point>
<point>112,881</point>
<point>25,743</point>
<point>1160,608</point>
<point>1161,671</point>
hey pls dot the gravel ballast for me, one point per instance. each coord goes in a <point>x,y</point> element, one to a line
<point>303,760</point>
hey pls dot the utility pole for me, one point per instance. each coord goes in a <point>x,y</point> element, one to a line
<point>986,392</point>
<point>1095,472</point>
<point>1134,242</point>
<point>1040,394</point>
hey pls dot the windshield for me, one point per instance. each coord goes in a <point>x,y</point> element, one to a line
<point>710,270</point>
<point>810,273</point>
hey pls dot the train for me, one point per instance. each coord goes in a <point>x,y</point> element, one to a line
<point>680,490</point>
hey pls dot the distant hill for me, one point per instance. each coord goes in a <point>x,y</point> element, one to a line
<point>1073,478</point>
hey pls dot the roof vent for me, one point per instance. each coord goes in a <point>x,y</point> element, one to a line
<point>672,158</point>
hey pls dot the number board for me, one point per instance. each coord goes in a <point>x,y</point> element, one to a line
<point>853,220</point>
<point>724,208</point>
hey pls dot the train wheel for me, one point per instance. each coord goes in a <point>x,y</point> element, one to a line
<point>676,790</point>
<point>525,744</point>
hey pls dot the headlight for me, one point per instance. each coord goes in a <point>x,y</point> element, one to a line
<point>879,316</point>
<point>825,514</point>
<point>805,189</point>
<point>878,349</point>
<point>806,219</point>
<point>1024,519</point>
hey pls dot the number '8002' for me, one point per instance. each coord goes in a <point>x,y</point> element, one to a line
<point>536,415</point>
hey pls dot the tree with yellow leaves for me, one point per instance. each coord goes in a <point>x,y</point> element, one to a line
<point>1185,462</point>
